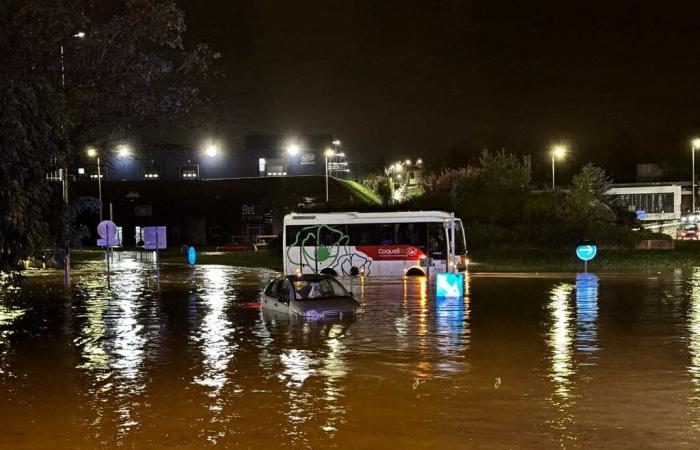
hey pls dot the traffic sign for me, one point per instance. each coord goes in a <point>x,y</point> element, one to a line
<point>586,252</point>
<point>155,238</point>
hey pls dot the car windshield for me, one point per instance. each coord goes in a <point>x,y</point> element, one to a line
<point>319,289</point>
<point>690,226</point>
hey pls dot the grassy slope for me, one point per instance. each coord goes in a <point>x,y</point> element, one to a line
<point>363,192</point>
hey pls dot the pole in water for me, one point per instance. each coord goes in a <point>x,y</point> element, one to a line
<point>157,262</point>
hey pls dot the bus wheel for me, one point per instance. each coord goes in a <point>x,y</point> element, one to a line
<point>415,272</point>
<point>328,271</point>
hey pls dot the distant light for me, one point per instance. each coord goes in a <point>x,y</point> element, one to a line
<point>123,150</point>
<point>293,149</point>
<point>419,161</point>
<point>212,150</point>
<point>81,171</point>
<point>696,143</point>
<point>91,152</point>
<point>79,34</point>
<point>341,154</point>
<point>408,162</point>
<point>329,152</point>
<point>336,142</point>
<point>397,167</point>
<point>559,151</point>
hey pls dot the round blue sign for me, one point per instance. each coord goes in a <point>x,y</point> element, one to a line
<point>586,252</point>
<point>191,255</point>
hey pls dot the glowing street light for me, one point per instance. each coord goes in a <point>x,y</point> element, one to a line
<point>419,162</point>
<point>123,150</point>
<point>328,153</point>
<point>293,149</point>
<point>211,151</point>
<point>93,153</point>
<point>695,144</point>
<point>407,162</point>
<point>557,152</point>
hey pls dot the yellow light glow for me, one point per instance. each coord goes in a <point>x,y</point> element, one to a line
<point>329,152</point>
<point>212,150</point>
<point>559,151</point>
<point>293,149</point>
<point>91,152</point>
<point>695,143</point>
<point>123,150</point>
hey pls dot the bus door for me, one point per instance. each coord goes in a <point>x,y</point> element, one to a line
<point>437,246</point>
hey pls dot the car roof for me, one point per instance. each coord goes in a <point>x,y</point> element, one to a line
<point>309,277</point>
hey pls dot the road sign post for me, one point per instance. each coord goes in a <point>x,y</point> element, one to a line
<point>155,238</point>
<point>586,251</point>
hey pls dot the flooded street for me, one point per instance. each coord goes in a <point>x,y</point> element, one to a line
<point>522,361</point>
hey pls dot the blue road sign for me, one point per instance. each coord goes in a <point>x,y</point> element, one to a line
<point>191,255</point>
<point>586,252</point>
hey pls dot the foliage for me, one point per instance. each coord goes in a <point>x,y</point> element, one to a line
<point>61,92</point>
<point>379,184</point>
<point>30,140</point>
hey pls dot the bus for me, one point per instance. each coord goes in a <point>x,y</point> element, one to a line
<point>373,244</point>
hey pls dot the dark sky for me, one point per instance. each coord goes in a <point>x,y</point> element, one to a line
<point>617,80</point>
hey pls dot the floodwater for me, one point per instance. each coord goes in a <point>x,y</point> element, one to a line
<point>522,361</point>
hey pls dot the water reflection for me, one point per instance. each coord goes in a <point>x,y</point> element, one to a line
<point>560,342</point>
<point>452,329</point>
<point>694,340</point>
<point>587,315</point>
<point>214,339</point>
<point>8,315</point>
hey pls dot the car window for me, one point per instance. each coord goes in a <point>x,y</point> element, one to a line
<point>272,289</point>
<point>319,289</point>
<point>285,291</point>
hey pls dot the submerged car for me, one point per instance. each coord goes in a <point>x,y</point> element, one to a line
<point>688,231</point>
<point>310,296</point>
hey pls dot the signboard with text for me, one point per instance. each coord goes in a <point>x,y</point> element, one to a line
<point>155,238</point>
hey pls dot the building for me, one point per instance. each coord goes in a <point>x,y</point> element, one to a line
<point>261,155</point>
<point>277,155</point>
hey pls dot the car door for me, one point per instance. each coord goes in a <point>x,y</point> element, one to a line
<point>270,295</point>
<point>285,293</point>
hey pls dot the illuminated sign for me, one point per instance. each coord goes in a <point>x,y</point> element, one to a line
<point>107,230</point>
<point>641,215</point>
<point>155,238</point>
<point>191,256</point>
<point>449,285</point>
<point>586,252</point>
<point>307,159</point>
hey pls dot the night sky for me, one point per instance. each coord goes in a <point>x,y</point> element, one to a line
<point>445,79</point>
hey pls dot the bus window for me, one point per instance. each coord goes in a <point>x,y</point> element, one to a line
<point>437,244</point>
<point>386,234</point>
<point>411,234</point>
<point>331,234</point>
<point>363,234</point>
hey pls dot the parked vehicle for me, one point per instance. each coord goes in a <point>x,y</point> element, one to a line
<point>387,244</point>
<point>310,296</point>
<point>688,231</point>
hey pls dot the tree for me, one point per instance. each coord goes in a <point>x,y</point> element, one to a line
<point>130,71</point>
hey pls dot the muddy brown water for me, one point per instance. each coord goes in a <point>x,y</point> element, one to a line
<point>558,360</point>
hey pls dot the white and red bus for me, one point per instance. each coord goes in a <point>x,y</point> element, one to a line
<point>373,244</point>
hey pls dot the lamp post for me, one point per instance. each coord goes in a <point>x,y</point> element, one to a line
<point>92,153</point>
<point>327,153</point>
<point>557,152</point>
<point>66,229</point>
<point>695,143</point>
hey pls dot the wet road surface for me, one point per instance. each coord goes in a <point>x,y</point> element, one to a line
<point>522,361</point>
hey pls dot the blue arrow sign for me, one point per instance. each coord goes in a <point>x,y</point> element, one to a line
<point>191,256</point>
<point>586,252</point>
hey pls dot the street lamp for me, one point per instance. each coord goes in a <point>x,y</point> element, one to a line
<point>695,143</point>
<point>293,149</point>
<point>92,153</point>
<point>212,150</point>
<point>328,153</point>
<point>558,152</point>
<point>123,150</point>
